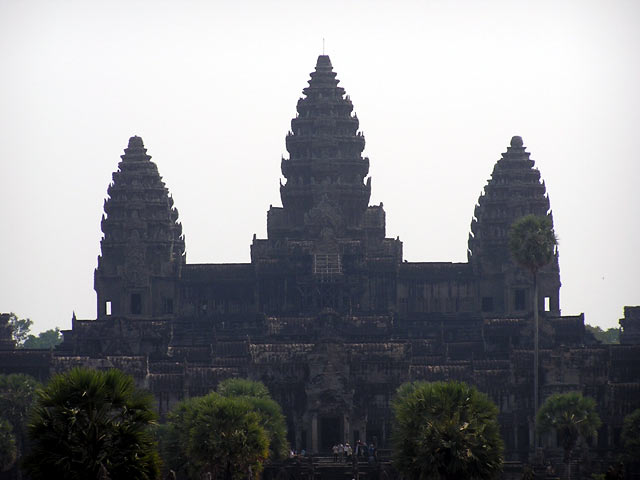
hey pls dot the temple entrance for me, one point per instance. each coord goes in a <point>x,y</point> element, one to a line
<point>330,433</point>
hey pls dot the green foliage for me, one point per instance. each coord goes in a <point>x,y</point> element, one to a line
<point>19,328</point>
<point>44,340</point>
<point>8,450</point>
<point>219,435</point>
<point>88,424</point>
<point>242,387</point>
<point>615,472</point>
<point>630,437</point>
<point>609,336</point>
<point>571,415</point>
<point>17,395</point>
<point>532,242</point>
<point>269,411</point>
<point>446,431</point>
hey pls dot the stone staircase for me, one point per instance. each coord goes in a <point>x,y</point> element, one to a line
<point>322,467</point>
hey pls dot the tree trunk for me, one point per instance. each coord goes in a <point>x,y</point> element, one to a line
<point>567,462</point>
<point>535,359</point>
<point>19,455</point>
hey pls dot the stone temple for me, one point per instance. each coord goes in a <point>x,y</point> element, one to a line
<point>327,313</point>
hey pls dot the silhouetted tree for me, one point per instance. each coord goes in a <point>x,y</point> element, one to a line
<point>220,436</point>
<point>44,340</point>
<point>8,451</point>
<point>19,328</point>
<point>571,416</point>
<point>533,243</point>
<point>608,336</point>
<point>445,431</point>
<point>90,424</point>
<point>270,412</point>
<point>630,439</point>
<point>17,396</point>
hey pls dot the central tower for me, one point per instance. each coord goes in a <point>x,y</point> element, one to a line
<point>325,172</point>
<point>325,241</point>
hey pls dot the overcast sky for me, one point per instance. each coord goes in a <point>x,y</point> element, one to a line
<point>439,87</point>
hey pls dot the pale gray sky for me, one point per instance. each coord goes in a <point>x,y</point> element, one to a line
<point>439,87</point>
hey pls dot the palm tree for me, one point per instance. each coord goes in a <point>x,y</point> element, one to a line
<point>533,244</point>
<point>630,439</point>
<point>90,424</point>
<point>445,431</point>
<point>8,452</point>
<point>572,416</point>
<point>220,436</point>
<point>17,395</point>
<point>269,411</point>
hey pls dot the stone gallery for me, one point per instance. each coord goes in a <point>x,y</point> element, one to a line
<point>327,313</point>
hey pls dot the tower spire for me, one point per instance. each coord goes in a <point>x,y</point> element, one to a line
<point>143,239</point>
<point>325,170</point>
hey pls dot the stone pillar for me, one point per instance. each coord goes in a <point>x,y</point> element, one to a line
<point>383,442</point>
<point>532,440</point>
<point>345,429</point>
<point>314,433</point>
<point>298,436</point>
<point>363,431</point>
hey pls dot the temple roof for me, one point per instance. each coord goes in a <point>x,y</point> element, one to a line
<point>513,191</point>
<point>139,213</point>
<point>325,171</point>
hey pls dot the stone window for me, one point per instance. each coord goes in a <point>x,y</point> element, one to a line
<point>487,304</point>
<point>519,300</point>
<point>136,304</point>
<point>107,307</point>
<point>547,304</point>
<point>168,305</point>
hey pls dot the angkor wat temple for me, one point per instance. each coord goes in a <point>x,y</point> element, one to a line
<point>327,313</point>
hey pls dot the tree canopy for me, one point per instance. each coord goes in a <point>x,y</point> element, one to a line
<point>572,416</point>
<point>20,332</point>
<point>221,436</point>
<point>44,340</point>
<point>242,387</point>
<point>228,433</point>
<point>445,430</point>
<point>532,242</point>
<point>92,424</point>
<point>630,437</point>
<point>269,411</point>
<point>19,328</point>
<point>608,336</point>
<point>17,396</point>
<point>8,450</point>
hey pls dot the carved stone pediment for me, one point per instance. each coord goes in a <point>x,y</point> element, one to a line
<point>324,220</point>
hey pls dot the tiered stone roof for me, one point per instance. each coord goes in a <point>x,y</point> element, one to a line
<point>140,224</point>
<point>325,172</point>
<point>513,191</point>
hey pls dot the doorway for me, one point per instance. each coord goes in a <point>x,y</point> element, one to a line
<point>330,433</point>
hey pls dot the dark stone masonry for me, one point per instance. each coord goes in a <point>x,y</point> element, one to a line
<point>327,313</point>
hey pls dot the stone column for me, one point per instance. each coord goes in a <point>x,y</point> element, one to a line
<point>298,435</point>
<point>314,433</point>
<point>345,429</point>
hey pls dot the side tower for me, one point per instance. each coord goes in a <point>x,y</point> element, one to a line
<point>143,246</point>
<point>326,247</point>
<point>513,191</point>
